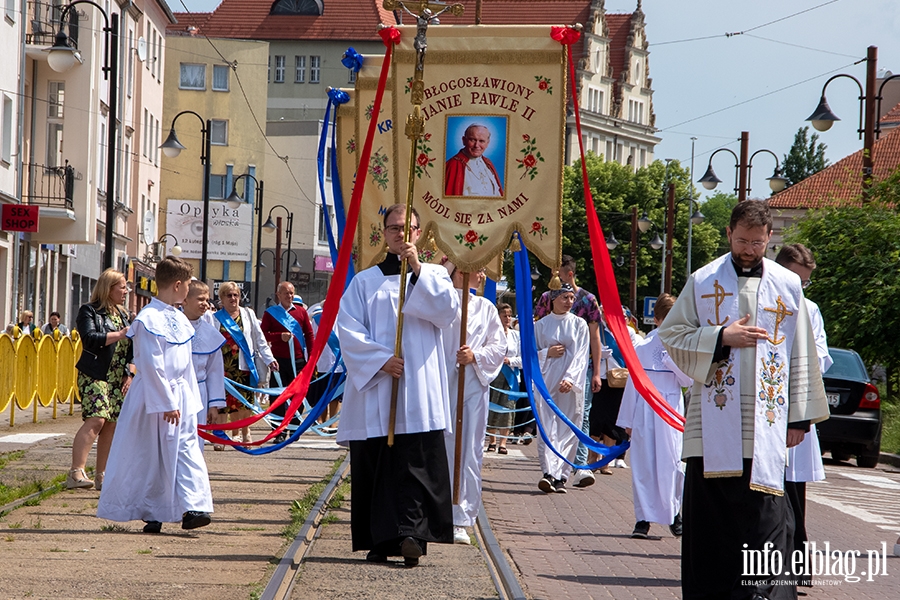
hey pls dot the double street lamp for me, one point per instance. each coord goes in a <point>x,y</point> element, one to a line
<point>61,58</point>
<point>235,201</point>
<point>276,226</point>
<point>172,148</point>
<point>742,166</point>
<point>869,108</point>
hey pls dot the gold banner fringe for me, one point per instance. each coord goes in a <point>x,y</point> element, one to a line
<point>480,57</point>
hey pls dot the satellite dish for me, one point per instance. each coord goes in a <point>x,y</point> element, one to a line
<point>142,49</point>
<point>149,227</point>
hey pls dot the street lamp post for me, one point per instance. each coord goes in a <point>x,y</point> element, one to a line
<point>61,57</point>
<point>270,226</point>
<point>172,148</point>
<point>176,249</point>
<point>743,166</point>
<point>234,201</point>
<point>869,108</point>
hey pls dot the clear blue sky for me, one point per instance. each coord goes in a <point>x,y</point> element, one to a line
<point>785,62</point>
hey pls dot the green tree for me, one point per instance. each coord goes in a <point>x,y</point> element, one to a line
<point>615,189</point>
<point>805,157</point>
<point>717,210</point>
<point>857,282</point>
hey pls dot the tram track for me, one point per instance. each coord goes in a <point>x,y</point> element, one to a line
<point>281,583</point>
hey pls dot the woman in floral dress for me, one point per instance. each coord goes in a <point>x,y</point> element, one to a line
<point>237,364</point>
<point>103,374</point>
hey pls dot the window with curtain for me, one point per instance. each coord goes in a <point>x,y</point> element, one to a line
<point>279,69</point>
<point>220,78</point>
<point>193,77</point>
<point>315,70</point>
<point>299,69</point>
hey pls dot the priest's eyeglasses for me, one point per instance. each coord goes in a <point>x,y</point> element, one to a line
<point>805,283</point>
<point>756,244</point>
<point>394,229</point>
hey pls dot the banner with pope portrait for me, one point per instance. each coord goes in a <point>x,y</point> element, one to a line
<point>490,161</point>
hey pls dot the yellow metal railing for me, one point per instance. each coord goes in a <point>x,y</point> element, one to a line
<point>38,371</point>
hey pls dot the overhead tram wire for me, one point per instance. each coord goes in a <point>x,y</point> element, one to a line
<point>781,89</point>
<point>759,37</point>
<point>745,31</point>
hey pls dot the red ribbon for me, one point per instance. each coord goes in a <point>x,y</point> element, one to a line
<point>296,391</point>
<point>606,280</point>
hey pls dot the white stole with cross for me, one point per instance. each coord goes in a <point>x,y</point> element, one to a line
<point>716,291</point>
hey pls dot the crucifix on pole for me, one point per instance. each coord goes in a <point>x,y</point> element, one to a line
<point>426,13</point>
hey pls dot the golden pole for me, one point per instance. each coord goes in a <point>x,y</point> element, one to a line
<point>415,128</point>
<point>460,390</point>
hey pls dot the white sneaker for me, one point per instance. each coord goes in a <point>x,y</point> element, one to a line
<point>460,536</point>
<point>583,478</point>
<point>619,463</point>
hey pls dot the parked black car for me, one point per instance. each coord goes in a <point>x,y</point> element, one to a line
<point>854,428</point>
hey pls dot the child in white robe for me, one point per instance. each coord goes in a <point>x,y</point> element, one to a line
<point>482,358</point>
<point>563,349</point>
<point>156,470</point>
<point>657,473</point>
<point>205,354</point>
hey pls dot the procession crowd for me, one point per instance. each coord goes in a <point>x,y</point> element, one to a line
<point>741,340</point>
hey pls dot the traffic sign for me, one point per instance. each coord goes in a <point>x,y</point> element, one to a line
<point>649,306</point>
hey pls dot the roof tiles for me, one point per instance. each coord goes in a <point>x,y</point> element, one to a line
<point>250,19</point>
<point>841,183</point>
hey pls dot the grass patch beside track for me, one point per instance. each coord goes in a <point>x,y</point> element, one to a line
<point>301,508</point>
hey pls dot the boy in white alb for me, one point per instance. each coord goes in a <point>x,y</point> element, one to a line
<point>482,358</point>
<point>156,472</point>
<point>205,354</point>
<point>563,345</point>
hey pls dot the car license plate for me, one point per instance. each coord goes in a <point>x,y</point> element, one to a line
<point>833,399</point>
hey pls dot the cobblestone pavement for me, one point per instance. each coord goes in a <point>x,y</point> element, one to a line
<point>578,545</point>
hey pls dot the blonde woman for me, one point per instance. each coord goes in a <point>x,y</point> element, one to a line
<point>103,374</point>
<point>26,322</point>
<point>243,340</point>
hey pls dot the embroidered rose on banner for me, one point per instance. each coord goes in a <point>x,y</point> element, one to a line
<point>424,161</point>
<point>470,239</point>
<point>374,235</point>
<point>538,228</point>
<point>378,169</point>
<point>351,146</point>
<point>408,87</point>
<point>369,110</point>
<point>531,158</point>
<point>544,84</point>
<point>426,256</point>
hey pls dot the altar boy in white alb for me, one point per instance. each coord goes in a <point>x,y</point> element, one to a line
<point>156,470</point>
<point>741,330</point>
<point>482,358</point>
<point>563,344</point>
<point>657,473</point>
<point>206,356</point>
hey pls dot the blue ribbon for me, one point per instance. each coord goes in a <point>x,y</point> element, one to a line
<point>352,59</point>
<point>532,372</point>
<point>286,320</point>
<point>334,387</point>
<point>320,171</point>
<point>613,345</point>
<point>237,334</point>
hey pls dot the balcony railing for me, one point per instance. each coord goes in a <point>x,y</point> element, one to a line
<point>53,187</point>
<point>43,21</point>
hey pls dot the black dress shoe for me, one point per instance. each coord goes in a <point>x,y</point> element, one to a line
<point>152,527</point>
<point>677,528</point>
<point>641,529</point>
<point>279,438</point>
<point>193,519</point>
<point>374,557</point>
<point>411,550</point>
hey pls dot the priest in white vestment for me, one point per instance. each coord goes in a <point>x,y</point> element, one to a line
<point>740,330</point>
<point>401,493</point>
<point>563,344</point>
<point>156,471</point>
<point>481,357</point>
<point>657,473</point>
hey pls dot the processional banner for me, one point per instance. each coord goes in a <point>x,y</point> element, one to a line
<point>490,161</point>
